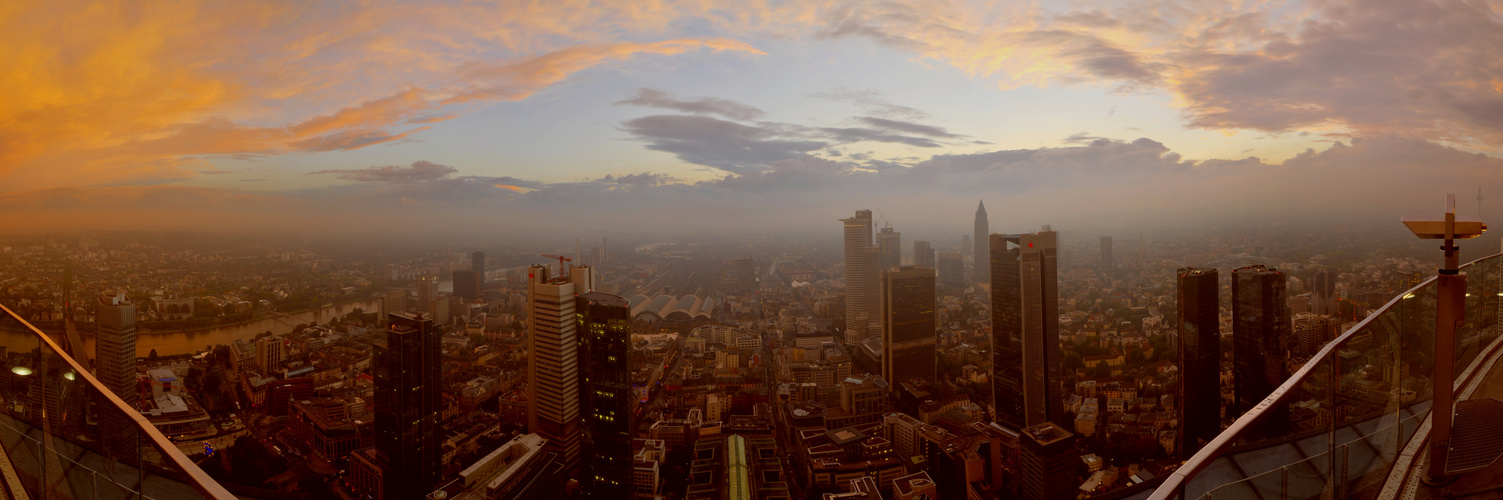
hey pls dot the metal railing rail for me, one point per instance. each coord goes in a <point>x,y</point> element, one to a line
<point>1174,484</point>
<point>197,477</point>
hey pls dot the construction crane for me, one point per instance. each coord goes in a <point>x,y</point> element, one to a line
<point>562,271</point>
<point>882,219</point>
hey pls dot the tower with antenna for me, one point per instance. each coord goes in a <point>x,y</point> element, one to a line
<point>889,245</point>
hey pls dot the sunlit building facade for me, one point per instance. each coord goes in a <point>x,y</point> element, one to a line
<point>861,276</point>
<point>553,363</point>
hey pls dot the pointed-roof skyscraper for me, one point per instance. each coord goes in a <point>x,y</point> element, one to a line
<point>983,249</point>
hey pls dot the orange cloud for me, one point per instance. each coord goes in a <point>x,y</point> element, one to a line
<point>101,93</point>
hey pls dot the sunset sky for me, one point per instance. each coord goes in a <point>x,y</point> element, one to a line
<point>714,116</point>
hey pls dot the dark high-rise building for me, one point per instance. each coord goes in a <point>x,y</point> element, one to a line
<point>1107,264</point>
<point>1007,335</point>
<point>1199,358</point>
<point>605,393</point>
<point>1323,292</point>
<point>923,253</point>
<point>466,284</point>
<point>1047,460</point>
<point>889,249</point>
<point>477,264</point>
<point>908,325</point>
<point>409,442</point>
<point>1261,331</point>
<point>982,255</point>
<point>1026,386</point>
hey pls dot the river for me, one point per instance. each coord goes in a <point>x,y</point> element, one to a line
<point>171,343</point>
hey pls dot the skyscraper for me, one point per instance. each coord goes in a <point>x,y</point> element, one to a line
<point>1323,292</point>
<point>1025,330</point>
<point>1311,332</point>
<point>553,363</point>
<point>923,253</point>
<point>115,346</point>
<point>427,291</point>
<point>983,255</point>
<point>477,264</point>
<point>466,284</point>
<point>951,268</point>
<point>1107,264</point>
<point>269,355</point>
<point>1261,332</point>
<point>889,249</point>
<point>861,287</point>
<point>1199,358</point>
<point>605,392</point>
<point>1048,461</point>
<point>115,366</point>
<point>908,325</point>
<point>409,442</point>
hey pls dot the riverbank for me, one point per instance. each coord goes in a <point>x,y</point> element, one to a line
<point>271,315</point>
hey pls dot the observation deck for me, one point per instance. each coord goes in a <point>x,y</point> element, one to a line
<point>1354,420</point>
<point>63,434</point>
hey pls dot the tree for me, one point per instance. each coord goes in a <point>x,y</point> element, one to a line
<point>152,355</point>
<point>1073,361</point>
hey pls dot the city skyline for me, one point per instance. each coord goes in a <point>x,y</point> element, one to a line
<point>736,374</point>
<point>402,249</point>
<point>1071,114</point>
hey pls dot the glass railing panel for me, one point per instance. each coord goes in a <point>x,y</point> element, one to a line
<point>1361,402</point>
<point>1417,337</point>
<point>70,436</point>
<point>1370,395</point>
<point>1266,485</point>
<point>21,358</point>
<point>1220,471</point>
<point>1468,333</point>
<point>1365,462</point>
<point>1482,303</point>
<point>1308,478</point>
